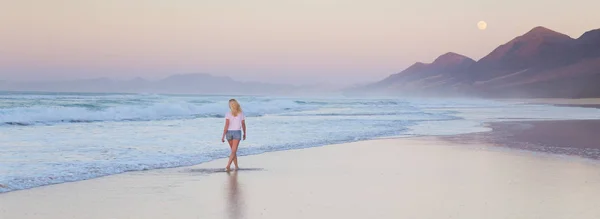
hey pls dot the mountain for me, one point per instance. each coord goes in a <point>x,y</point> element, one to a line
<point>589,44</point>
<point>423,78</point>
<point>179,84</point>
<point>554,66</point>
<point>539,63</point>
<point>196,83</point>
<point>538,48</point>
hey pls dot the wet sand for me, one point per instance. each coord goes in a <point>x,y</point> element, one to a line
<point>390,178</point>
<point>567,137</point>
<point>597,106</point>
<point>584,102</point>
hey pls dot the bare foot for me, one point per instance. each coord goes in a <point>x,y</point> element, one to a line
<point>237,168</point>
<point>227,169</point>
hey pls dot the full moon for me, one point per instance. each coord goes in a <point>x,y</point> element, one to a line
<point>482,25</point>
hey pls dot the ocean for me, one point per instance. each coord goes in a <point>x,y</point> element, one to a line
<point>50,138</point>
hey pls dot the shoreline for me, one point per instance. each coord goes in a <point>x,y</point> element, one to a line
<point>498,135</point>
<point>360,175</point>
<point>559,137</point>
<point>584,102</point>
<point>420,177</point>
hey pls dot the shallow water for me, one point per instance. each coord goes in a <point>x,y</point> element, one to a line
<point>54,138</point>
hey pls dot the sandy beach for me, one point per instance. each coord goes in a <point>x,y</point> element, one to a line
<point>583,102</point>
<point>334,109</point>
<point>422,177</point>
<point>565,137</point>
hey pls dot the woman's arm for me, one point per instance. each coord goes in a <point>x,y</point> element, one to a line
<point>225,130</point>
<point>244,128</point>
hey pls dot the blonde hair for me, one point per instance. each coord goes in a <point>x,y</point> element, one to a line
<point>236,109</point>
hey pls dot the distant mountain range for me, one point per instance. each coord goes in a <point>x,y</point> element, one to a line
<point>540,63</point>
<point>177,84</point>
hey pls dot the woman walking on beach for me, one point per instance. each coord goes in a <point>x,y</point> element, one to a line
<point>235,122</point>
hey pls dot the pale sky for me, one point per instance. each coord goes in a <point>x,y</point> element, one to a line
<point>302,41</point>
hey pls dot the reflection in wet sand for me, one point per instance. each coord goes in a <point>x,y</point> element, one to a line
<point>220,170</point>
<point>234,196</point>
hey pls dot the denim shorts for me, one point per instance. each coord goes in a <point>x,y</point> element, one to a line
<point>233,135</point>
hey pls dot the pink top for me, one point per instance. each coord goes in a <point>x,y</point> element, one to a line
<point>235,123</point>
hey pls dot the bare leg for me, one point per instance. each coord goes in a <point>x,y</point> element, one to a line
<point>235,144</point>
<point>233,155</point>
<point>235,158</point>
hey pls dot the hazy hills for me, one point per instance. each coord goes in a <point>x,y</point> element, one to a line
<point>539,63</point>
<point>180,84</point>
